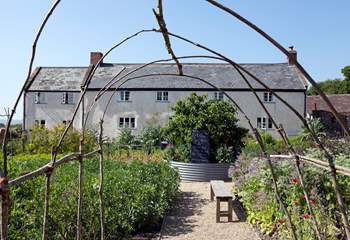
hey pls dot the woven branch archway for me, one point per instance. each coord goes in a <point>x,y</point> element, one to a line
<point>5,183</point>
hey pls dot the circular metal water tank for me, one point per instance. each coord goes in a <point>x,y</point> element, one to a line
<point>202,172</point>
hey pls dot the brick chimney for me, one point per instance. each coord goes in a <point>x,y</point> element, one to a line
<point>95,57</point>
<point>292,58</point>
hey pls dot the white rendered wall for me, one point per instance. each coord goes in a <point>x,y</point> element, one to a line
<point>144,107</point>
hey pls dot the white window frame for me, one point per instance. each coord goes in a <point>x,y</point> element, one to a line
<point>67,98</point>
<point>219,95</point>
<point>39,97</point>
<point>268,97</point>
<point>265,123</point>
<point>124,96</point>
<point>162,96</point>
<point>127,122</point>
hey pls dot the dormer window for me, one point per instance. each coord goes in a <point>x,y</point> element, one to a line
<point>162,96</point>
<point>124,96</point>
<point>219,95</point>
<point>67,98</point>
<point>268,97</point>
<point>39,98</point>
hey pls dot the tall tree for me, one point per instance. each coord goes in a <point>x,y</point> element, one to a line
<point>346,72</point>
<point>218,117</point>
<point>335,86</point>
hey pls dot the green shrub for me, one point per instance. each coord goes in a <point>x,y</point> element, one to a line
<point>42,139</point>
<point>180,153</point>
<point>216,116</point>
<point>316,126</point>
<point>39,140</point>
<point>267,138</point>
<point>137,196</point>
<point>125,137</point>
<point>151,135</point>
<point>225,154</point>
<point>251,147</point>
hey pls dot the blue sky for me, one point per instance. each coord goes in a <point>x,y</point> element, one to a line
<point>317,29</point>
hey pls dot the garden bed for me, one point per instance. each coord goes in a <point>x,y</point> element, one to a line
<point>202,172</point>
<point>137,196</point>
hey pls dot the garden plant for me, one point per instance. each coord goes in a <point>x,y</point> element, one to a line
<point>252,184</point>
<point>48,171</point>
<point>216,116</point>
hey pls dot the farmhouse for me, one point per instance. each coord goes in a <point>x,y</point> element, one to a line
<point>51,98</point>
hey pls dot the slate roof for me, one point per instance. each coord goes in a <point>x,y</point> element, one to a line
<point>277,76</point>
<point>341,103</point>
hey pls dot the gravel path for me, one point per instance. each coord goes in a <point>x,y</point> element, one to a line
<point>194,218</point>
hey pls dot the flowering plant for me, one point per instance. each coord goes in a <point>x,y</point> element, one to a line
<point>253,185</point>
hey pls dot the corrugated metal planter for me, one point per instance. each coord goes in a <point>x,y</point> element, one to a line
<point>202,172</point>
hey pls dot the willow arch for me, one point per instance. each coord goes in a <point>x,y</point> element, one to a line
<point>47,169</point>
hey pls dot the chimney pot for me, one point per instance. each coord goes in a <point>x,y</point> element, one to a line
<point>292,58</point>
<point>95,57</point>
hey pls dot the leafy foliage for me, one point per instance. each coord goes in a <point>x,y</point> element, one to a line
<point>224,154</point>
<point>316,126</point>
<point>125,137</point>
<point>151,135</point>
<point>336,86</point>
<point>137,195</point>
<point>346,72</point>
<point>42,139</point>
<point>179,153</point>
<point>275,146</point>
<point>253,185</point>
<point>216,116</point>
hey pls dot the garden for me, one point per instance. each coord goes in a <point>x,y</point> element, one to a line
<point>253,186</point>
<point>141,186</point>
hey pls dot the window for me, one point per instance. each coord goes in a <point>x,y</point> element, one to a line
<point>66,122</point>
<point>162,96</point>
<point>264,123</point>
<point>39,98</point>
<point>132,123</point>
<point>67,98</point>
<point>40,122</point>
<point>127,122</point>
<point>124,96</point>
<point>348,120</point>
<point>268,97</point>
<point>219,95</point>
